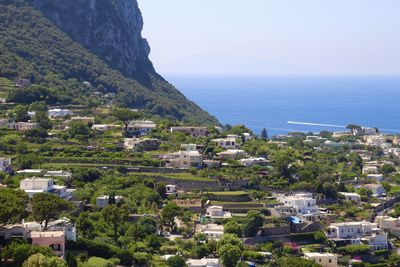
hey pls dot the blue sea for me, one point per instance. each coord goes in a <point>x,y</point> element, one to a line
<point>289,104</point>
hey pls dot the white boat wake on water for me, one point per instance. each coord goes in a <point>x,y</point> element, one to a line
<point>315,124</point>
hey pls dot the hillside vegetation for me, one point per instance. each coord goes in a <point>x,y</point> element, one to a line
<point>33,47</point>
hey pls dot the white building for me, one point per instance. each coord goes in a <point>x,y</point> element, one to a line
<point>351,233</point>
<point>139,128</point>
<point>302,203</point>
<point>252,161</point>
<point>212,231</point>
<point>227,143</point>
<point>323,259</point>
<point>185,159</point>
<point>59,113</point>
<point>62,224</point>
<point>389,224</point>
<point>35,185</point>
<point>351,196</point>
<point>232,154</point>
<point>217,212</point>
<point>103,127</point>
<point>5,164</point>
<point>370,169</point>
<point>102,201</point>
<point>203,263</point>
<point>375,140</point>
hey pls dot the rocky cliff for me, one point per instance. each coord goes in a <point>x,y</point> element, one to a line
<point>109,28</point>
<point>59,44</point>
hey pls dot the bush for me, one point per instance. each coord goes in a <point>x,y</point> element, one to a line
<point>355,249</point>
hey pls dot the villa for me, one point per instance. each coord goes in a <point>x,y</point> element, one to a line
<point>227,143</point>
<point>59,113</point>
<point>217,212</point>
<point>139,128</point>
<point>212,231</point>
<point>35,185</point>
<point>53,239</point>
<point>232,154</point>
<point>253,161</point>
<point>184,159</point>
<point>352,233</point>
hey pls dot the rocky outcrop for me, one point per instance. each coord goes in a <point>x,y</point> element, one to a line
<point>111,29</point>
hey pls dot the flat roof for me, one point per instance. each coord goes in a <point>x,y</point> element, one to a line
<point>37,234</point>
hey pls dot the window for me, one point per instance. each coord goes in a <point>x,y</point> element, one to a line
<point>330,260</point>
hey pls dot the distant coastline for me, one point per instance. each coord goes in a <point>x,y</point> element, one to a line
<point>297,104</point>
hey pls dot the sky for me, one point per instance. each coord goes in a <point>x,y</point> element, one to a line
<point>273,37</point>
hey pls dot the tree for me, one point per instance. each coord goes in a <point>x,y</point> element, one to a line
<point>254,220</point>
<point>230,255</point>
<point>320,237</point>
<point>71,260</point>
<point>387,169</point>
<point>233,227</point>
<point>161,190</point>
<point>13,205</point>
<point>230,249</point>
<point>264,134</point>
<point>84,224</point>
<point>169,212</point>
<point>79,130</point>
<point>43,120</point>
<point>21,113</point>
<point>19,252</point>
<point>353,127</point>
<point>176,261</point>
<point>47,207</point>
<point>87,175</point>
<point>125,116</point>
<point>114,215</point>
<point>37,135</point>
<point>40,260</point>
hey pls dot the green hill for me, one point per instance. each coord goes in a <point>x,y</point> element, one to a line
<point>35,45</point>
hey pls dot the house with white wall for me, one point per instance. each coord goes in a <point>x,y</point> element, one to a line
<point>212,231</point>
<point>355,233</point>
<point>217,212</point>
<point>350,196</point>
<point>59,113</point>
<point>227,143</point>
<point>34,185</point>
<point>322,259</point>
<point>139,128</point>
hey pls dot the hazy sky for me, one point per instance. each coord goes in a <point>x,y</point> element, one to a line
<point>273,37</point>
